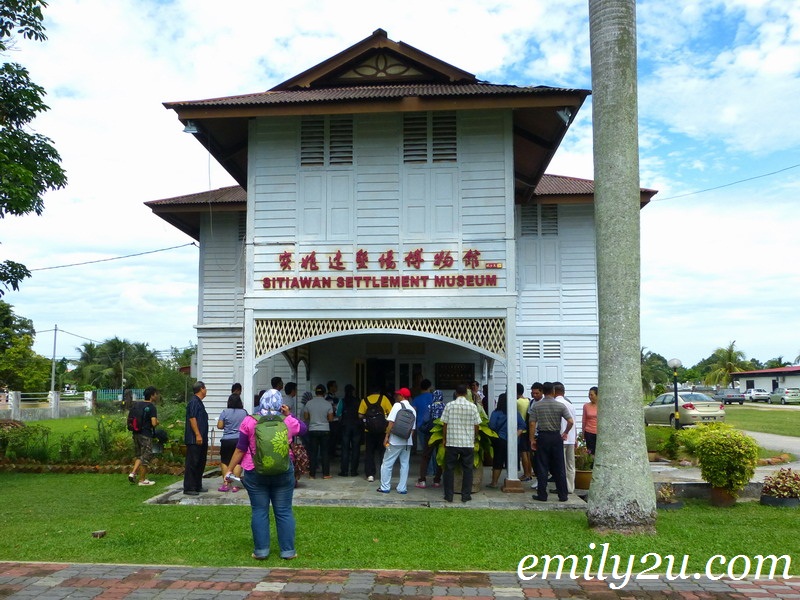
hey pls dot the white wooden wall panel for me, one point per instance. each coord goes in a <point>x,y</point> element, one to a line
<point>483,175</point>
<point>275,162</point>
<point>221,269</point>
<point>217,355</point>
<point>578,267</point>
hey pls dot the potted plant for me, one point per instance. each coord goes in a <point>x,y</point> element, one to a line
<point>666,499</point>
<point>781,489</point>
<point>728,461</point>
<point>584,463</point>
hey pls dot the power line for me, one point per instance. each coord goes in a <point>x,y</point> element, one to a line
<point>91,262</point>
<point>726,184</point>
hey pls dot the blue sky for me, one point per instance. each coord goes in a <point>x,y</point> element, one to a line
<point>718,104</point>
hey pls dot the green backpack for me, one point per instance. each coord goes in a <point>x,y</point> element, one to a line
<point>272,446</point>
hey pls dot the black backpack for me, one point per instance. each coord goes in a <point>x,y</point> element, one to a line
<point>375,418</point>
<point>404,421</point>
<point>136,416</point>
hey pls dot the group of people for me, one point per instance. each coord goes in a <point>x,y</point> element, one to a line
<point>545,430</point>
<point>546,437</point>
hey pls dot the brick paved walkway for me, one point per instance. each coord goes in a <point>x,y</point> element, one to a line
<point>55,581</point>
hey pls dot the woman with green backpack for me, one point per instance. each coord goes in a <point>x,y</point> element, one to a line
<point>268,475</point>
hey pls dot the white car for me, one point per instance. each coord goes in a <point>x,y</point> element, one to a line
<point>757,395</point>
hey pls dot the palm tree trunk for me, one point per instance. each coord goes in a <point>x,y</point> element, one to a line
<point>621,497</point>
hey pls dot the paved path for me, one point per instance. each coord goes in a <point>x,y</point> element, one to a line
<point>771,441</point>
<point>51,581</point>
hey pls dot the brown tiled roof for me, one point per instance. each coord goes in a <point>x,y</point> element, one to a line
<point>226,195</point>
<point>372,92</point>
<point>559,185</point>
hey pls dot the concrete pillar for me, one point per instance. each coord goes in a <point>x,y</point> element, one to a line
<point>15,398</point>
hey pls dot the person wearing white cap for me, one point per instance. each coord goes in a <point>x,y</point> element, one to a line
<point>397,447</point>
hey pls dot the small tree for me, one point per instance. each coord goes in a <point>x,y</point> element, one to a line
<point>29,164</point>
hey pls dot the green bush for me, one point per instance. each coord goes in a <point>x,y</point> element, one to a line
<point>727,458</point>
<point>30,442</point>
<point>656,437</point>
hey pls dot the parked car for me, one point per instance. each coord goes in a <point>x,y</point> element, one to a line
<point>784,395</point>
<point>729,396</point>
<point>693,408</point>
<point>756,395</point>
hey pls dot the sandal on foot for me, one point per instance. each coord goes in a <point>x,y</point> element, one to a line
<point>223,488</point>
<point>234,489</point>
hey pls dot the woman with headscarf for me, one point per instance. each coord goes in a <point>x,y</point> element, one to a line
<point>266,489</point>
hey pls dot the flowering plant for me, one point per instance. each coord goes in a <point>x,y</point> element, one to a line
<point>665,493</point>
<point>783,484</point>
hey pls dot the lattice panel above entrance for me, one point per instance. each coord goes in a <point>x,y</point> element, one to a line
<point>486,334</point>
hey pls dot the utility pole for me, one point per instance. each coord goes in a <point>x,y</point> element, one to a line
<point>53,367</point>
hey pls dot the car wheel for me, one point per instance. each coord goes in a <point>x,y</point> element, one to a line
<point>741,402</point>
<point>783,400</point>
<point>769,401</point>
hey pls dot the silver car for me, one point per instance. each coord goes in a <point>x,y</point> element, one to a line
<point>693,408</point>
<point>784,395</point>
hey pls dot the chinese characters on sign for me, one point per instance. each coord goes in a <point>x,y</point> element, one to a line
<point>388,260</point>
<point>414,258</point>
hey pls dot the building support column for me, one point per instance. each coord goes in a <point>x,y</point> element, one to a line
<point>512,484</point>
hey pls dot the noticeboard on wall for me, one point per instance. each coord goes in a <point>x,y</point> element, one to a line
<point>449,375</point>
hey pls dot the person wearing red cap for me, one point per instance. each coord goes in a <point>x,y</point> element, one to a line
<point>397,447</point>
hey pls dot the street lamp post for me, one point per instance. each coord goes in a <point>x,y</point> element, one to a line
<point>674,364</point>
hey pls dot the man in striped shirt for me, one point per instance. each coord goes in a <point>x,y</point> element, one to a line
<point>547,441</point>
<point>460,426</point>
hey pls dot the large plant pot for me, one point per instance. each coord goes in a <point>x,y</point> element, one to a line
<point>782,502</point>
<point>722,498</point>
<point>676,505</point>
<point>477,480</point>
<point>583,479</point>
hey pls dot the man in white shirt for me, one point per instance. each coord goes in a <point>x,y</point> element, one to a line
<point>397,447</point>
<point>570,439</point>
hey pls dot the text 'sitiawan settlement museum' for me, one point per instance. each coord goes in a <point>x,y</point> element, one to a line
<point>392,222</point>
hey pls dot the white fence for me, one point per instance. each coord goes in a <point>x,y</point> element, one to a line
<point>50,405</point>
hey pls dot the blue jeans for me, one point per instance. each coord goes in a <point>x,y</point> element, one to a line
<point>390,456</point>
<point>279,490</point>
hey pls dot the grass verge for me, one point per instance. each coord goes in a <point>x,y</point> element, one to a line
<point>51,517</point>
<point>778,421</point>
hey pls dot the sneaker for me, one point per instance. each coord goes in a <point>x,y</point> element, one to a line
<point>132,477</point>
<point>403,492</point>
<point>421,484</point>
<point>383,491</point>
<point>437,484</point>
<point>370,479</point>
<point>326,476</point>
<point>146,482</point>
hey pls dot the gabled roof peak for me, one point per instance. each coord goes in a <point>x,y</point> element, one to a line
<point>377,59</point>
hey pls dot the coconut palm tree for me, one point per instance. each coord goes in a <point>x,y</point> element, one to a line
<point>654,371</point>
<point>622,497</point>
<point>725,362</point>
<point>777,363</point>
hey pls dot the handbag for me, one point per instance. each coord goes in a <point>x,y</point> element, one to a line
<point>301,463</point>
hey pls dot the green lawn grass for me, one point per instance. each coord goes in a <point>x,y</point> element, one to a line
<point>49,517</point>
<point>777,421</point>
